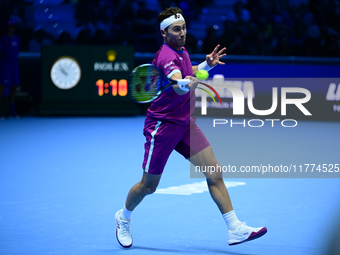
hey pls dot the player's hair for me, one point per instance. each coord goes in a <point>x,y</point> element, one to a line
<point>167,13</point>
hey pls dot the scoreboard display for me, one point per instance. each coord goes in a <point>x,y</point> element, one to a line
<point>87,80</point>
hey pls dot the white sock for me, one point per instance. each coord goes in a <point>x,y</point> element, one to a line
<point>126,213</point>
<point>231,220</point>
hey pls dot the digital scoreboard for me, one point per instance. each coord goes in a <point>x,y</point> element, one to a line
<point>87,80</point>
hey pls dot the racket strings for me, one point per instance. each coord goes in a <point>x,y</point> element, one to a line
<point>145,84</point>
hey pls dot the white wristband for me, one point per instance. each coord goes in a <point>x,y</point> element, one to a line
<point>182,84</point>
<point>183,87</point>
<point>204,66</point>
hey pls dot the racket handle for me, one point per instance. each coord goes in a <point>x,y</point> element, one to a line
<point>183,81</point>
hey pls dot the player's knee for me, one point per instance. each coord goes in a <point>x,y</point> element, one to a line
<point>214,176</point>
<point>148,190</point>
<point>214,180</point>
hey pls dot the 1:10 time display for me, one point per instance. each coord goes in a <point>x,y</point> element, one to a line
<point>117,87</point>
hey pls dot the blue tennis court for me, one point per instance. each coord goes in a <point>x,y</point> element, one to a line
<point>63,179</point>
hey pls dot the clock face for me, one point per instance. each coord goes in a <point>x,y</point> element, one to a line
<point>65,73</point>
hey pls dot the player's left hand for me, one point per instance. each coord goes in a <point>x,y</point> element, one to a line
<point>213,58</point>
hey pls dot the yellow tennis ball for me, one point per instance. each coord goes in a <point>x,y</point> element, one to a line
<point>202,75</point>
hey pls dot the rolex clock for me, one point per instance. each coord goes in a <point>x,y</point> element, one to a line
<point>65,72</point>
<point>86,80</point>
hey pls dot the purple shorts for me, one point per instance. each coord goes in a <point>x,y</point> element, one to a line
<point>164,137</point>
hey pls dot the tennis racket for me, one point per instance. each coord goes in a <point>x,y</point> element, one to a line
<point>147,82</point>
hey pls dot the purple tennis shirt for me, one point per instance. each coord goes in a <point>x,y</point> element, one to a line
<point>170,106</point>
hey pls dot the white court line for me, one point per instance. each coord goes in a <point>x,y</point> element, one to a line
<point>192,188</point>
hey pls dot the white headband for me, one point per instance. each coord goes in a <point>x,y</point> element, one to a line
<point>168,21</point>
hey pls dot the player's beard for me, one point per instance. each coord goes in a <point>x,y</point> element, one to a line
<point>181,41</point>
<point>176,42</point>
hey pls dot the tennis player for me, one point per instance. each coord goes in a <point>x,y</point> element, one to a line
<point>168,126</point>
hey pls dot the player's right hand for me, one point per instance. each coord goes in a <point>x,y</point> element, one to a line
<point>193,82</point>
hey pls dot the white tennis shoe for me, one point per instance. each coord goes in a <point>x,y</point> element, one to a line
<point>244,233</point>
<point>123,231</point>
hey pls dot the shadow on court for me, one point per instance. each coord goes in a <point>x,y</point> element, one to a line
<point>188,250</point>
